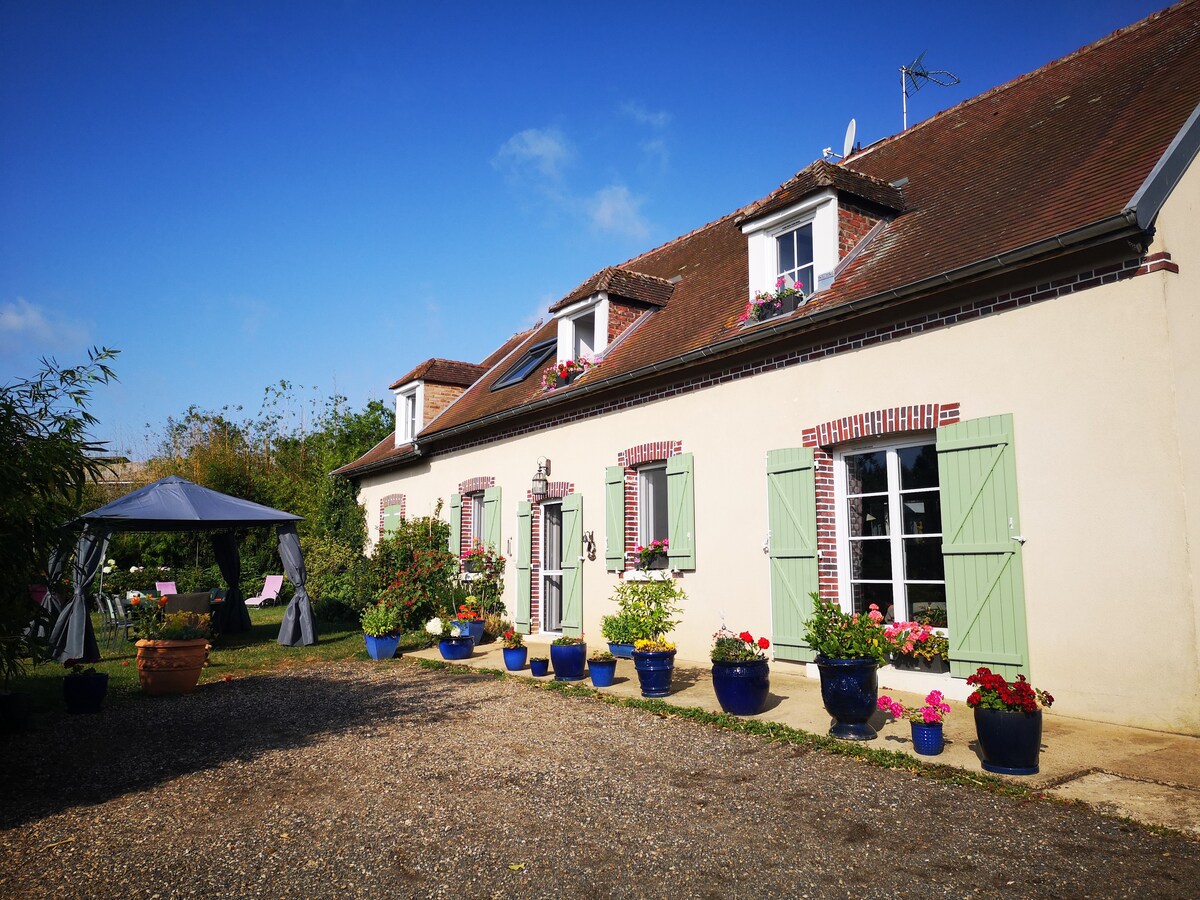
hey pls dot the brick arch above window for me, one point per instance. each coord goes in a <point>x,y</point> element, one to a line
<point>823,438</point>
<point>629,460</point>
<point>479,483</point>
<point>555,490</point>
<point>656,451</point>
<point>386,503</point>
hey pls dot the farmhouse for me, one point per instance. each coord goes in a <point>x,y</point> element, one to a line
<point>969,391</point>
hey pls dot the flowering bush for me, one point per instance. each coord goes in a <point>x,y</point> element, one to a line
<point>381,620</point>
<point>932,713</point>
<point>834,634</point>
<point>566,641</point>
<point>655,646</point>
<point>993,691</point>
<point>513,640</point>
<point>152,623</point>
<point>652,553</point>
<point>488,566</point>
<point>730,647</point>
<point>566,369</point>
<point>146,613</point>
<point>918,640</point>
<point>648,608</point>
<point>444,628</point>
<point>766,303</point>
<point>469,611</point>
<point>421,588</point>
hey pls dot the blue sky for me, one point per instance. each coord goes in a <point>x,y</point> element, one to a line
<point>238,193</point>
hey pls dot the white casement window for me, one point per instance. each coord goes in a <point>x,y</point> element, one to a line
<point>552,575</point>
<point>476,535</point>
<point>583,328</point>
<point>800,242</point>
<point>652,505</point>
<point>889,530</point>
<point>409,400</point>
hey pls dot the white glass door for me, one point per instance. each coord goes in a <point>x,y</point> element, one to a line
<point>552,550</point>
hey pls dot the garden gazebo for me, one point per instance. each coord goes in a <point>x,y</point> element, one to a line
<point>175,504</point>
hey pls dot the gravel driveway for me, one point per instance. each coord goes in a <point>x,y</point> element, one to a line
<point>382,780</point>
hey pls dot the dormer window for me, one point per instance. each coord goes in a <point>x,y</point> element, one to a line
<point>794,257</point>
<point>409,408</point>
<point>578,335</point>
<point>799,242</point>
<point>585,334</point>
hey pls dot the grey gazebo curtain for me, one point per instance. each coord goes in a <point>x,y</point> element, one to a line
<point>231,616</point>
<point>298,627</point>
<point>73,637</point>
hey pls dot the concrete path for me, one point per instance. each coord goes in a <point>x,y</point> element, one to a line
<point>1148,776</point>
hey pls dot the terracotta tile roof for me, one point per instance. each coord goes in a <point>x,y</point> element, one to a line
<point>501,352</point>
<point>624,283</point>
<point>1021,166</point>
<point>822,174</point>
<point>443,371</point>
<point>385,454</point>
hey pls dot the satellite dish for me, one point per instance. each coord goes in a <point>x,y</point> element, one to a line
<point>848,143</point>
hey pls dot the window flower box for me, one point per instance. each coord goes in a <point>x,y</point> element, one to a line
<point>786,298</point>
<point>563,373</point>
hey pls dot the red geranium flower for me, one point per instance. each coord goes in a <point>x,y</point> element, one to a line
<point>763,643</point>
<point>747,637</point>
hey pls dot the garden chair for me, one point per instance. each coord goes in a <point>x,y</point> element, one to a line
<point>165,587</point>
<point>270,592</point>
<point>116,619</point>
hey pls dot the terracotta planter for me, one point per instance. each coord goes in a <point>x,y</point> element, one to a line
<point>171,667</point>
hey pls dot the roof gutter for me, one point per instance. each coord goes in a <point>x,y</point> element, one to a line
<point>1122,224</point>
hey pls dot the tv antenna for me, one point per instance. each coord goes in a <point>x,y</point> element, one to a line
<point>847,143</point>
<point>915,74</point>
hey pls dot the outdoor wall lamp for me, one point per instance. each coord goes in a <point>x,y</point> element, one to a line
<point>541,482</point>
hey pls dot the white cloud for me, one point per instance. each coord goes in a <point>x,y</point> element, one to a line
<point>617,209</point>
<point>656,153</point>
<point>25,326</point>
<point>544,150</point>
<point>641,115</point>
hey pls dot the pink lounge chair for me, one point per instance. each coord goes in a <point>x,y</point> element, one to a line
<point>165,587</point>
<point>270,592</point>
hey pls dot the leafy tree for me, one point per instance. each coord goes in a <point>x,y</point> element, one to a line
<point>47,461</point>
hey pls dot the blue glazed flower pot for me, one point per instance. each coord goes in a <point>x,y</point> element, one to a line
<point>927,739</point>
<point>514,658</point>
<point>456,647</point>
<point>621,651</point>
<point>654,669</point>
<point>742,687</point>
<point>539,667</point>
<point>382,647</point>
<point>85,693</point>
<point>1009,741</point>
<point>475,629</point>
<point>849,690</point>
<point>568,661</point>
<point>603,672</point>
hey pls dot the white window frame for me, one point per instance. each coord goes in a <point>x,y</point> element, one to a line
<point>597,304</point>
<point>842,524</point>
<point>643,538</point>
<point>476,535</point>
<point>407,428</point>
<point>820,209</point>
<point>545,573</point>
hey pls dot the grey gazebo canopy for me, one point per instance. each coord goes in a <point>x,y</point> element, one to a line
<point>175,504</point>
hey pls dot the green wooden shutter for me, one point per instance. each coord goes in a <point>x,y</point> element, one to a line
<point>985,588</point>
<point>456,524</point>
<point>392,518</point>
<point>524,564</point>
<point>792,518</point>
<point>491,518</point>
<point>614,519</point>
<point>681,513</point>
<point>572,565</point>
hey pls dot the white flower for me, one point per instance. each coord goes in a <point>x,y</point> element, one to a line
<point>107,570</point>
<point>132,569</point>
<point>112,562</point>
<point>434,625</point>
<point>455,631</point>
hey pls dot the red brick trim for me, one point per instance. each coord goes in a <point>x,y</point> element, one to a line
<point>630,459</point>
<point>556,491</point>
<point>474,485</point>
<point>985,306</point>
<point>469,488</point>
<point>1157,262</point>
<point>390,500</point>
<point>824,439</point>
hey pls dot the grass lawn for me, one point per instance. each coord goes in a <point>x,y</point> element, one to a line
<point>255,650</point>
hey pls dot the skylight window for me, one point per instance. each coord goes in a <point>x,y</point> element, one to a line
<point>529,361</point>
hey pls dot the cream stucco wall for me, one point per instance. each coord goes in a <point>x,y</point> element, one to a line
<point>1104,388</point>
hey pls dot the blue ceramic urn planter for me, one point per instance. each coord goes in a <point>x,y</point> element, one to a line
<point>456,647</point>
<point>514,658</point>
<point>849,690</point>
<point>382,647</point>
<point>474,629</point>
<point>603,672</point>
<point>568,661</point>
<point>85,693</point>
<point>654,669</point>
<point>927,739</point>
<point>742,687</point>
<point>621,651</point>
<point>1009,740</point>
<point>539,667</point>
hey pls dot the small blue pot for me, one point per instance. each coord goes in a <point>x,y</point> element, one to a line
<point>568,661</point>
<point>927,739</point>
<point>742,687</point>
<point>475,629</point>
<point>456,647</point>
<point>382,647</point>
<point>603,672</point>
<point>654,669</point>
<point>514,658</point>
<point>539,667</point>
<point>621,651</point>
<point>849,689</point>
